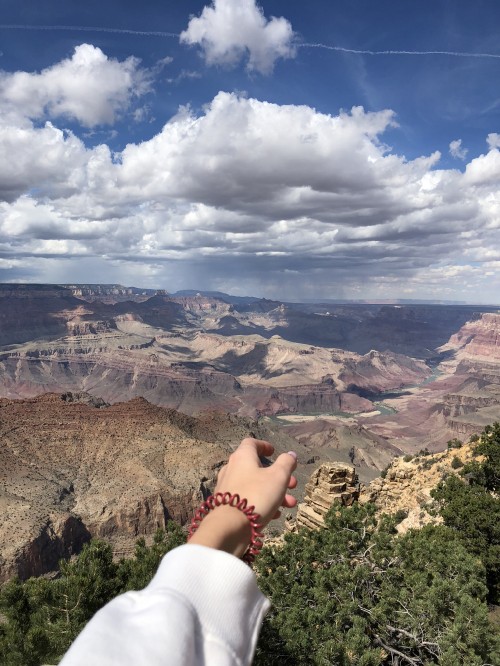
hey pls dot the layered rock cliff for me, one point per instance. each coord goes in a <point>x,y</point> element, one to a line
<point>182,352</point>
<point>73,467</point>
<point>329,484</point>
<point>479,338</point>
<point>70,470</point>
<point>153,349</point>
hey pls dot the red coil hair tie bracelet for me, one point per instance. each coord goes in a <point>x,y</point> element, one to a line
<point>228,499</point>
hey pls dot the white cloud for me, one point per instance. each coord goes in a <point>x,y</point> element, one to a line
<point>46,159</point>
<point>271,160</point>
<point>88,87</point>
<point>484,170</point>
<point>250,196</point>
<point>457,150</point>
<point>493,140</point>
<point>230,30</point>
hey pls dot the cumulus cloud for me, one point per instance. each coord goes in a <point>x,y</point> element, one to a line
<point>250,196</point>
<point>46,159</point>
<point>89,87</point>
<point>457,150</point>
<point>230,30</point>
<point>493,140</point>
<point>267,159</point>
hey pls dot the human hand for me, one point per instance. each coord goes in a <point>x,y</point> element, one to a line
<point>263,487</point>
<point>226,527</point>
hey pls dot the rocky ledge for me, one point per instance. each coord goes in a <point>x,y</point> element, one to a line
<point>405,486</point>
<point>72,468</point>
<point>408,481</point>
<point>329,484</point>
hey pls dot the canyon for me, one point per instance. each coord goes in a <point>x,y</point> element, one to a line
<point>118,404</point>
<point>374,377</point>
<point>73,467</point>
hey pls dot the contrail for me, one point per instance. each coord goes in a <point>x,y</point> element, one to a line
<point>455,54</point>
<point>147,33</point>
<point>341,49</point>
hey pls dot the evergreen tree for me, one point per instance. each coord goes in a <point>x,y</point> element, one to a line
<point>357,594</point>
<point>43,617</point>
<point>472,507</point>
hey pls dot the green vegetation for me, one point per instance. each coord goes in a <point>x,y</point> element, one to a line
<point>428,462</point>
<point>472,507</point>
<point>44,616</point>
<point>383,473</point>
<point>353,594</point>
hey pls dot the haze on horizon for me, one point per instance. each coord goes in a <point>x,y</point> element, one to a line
<point>336,150</point>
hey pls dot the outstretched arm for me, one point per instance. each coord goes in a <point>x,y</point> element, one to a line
<point>203,606</point>
<point>226,528</point>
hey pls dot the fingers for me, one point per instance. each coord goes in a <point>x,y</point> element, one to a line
<point>258,446</point>
<point>289,501</point>
<point>287,462</point>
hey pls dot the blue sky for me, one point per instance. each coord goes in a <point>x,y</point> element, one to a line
<point>274,148</point>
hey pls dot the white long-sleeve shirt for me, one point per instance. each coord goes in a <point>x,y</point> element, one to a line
<point>203,607</point>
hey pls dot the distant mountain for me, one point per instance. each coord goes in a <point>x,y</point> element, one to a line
<point>254,357</point>
<point>110,293</point>
<point>228,298</point>
<point>385,301</point>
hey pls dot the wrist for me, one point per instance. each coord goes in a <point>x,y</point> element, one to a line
<point>225,528</point>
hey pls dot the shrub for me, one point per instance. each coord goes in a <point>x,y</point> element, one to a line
<point>44,616</point>
<point>356,593</point>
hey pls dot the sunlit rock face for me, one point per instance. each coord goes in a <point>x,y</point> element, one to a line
<point>73,468</point>
<point>475,358</point>
<point>478,339</point>
<point>407,485</point>
<point>172,351</point>
<point>329,484</point>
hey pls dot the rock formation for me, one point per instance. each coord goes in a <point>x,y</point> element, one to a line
<point>110,293</point>
<point>478,338</point>
<point>344,440</point>
<point>330,483</point>
<point>407,484</point>
<point>70,470</point>
<point>73,467</point>
<point>160,349</point>
<point>259,358</point>
<point>405,487</point>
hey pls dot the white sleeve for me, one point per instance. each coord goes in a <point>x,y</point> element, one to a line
<point>203,606</point>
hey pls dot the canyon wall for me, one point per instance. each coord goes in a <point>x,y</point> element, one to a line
<point>71,471</point>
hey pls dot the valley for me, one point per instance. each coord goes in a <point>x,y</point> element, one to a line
<point>407,373</point>
<point>118,406</point>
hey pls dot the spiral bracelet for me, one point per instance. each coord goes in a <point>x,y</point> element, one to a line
<point>228,499</point>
